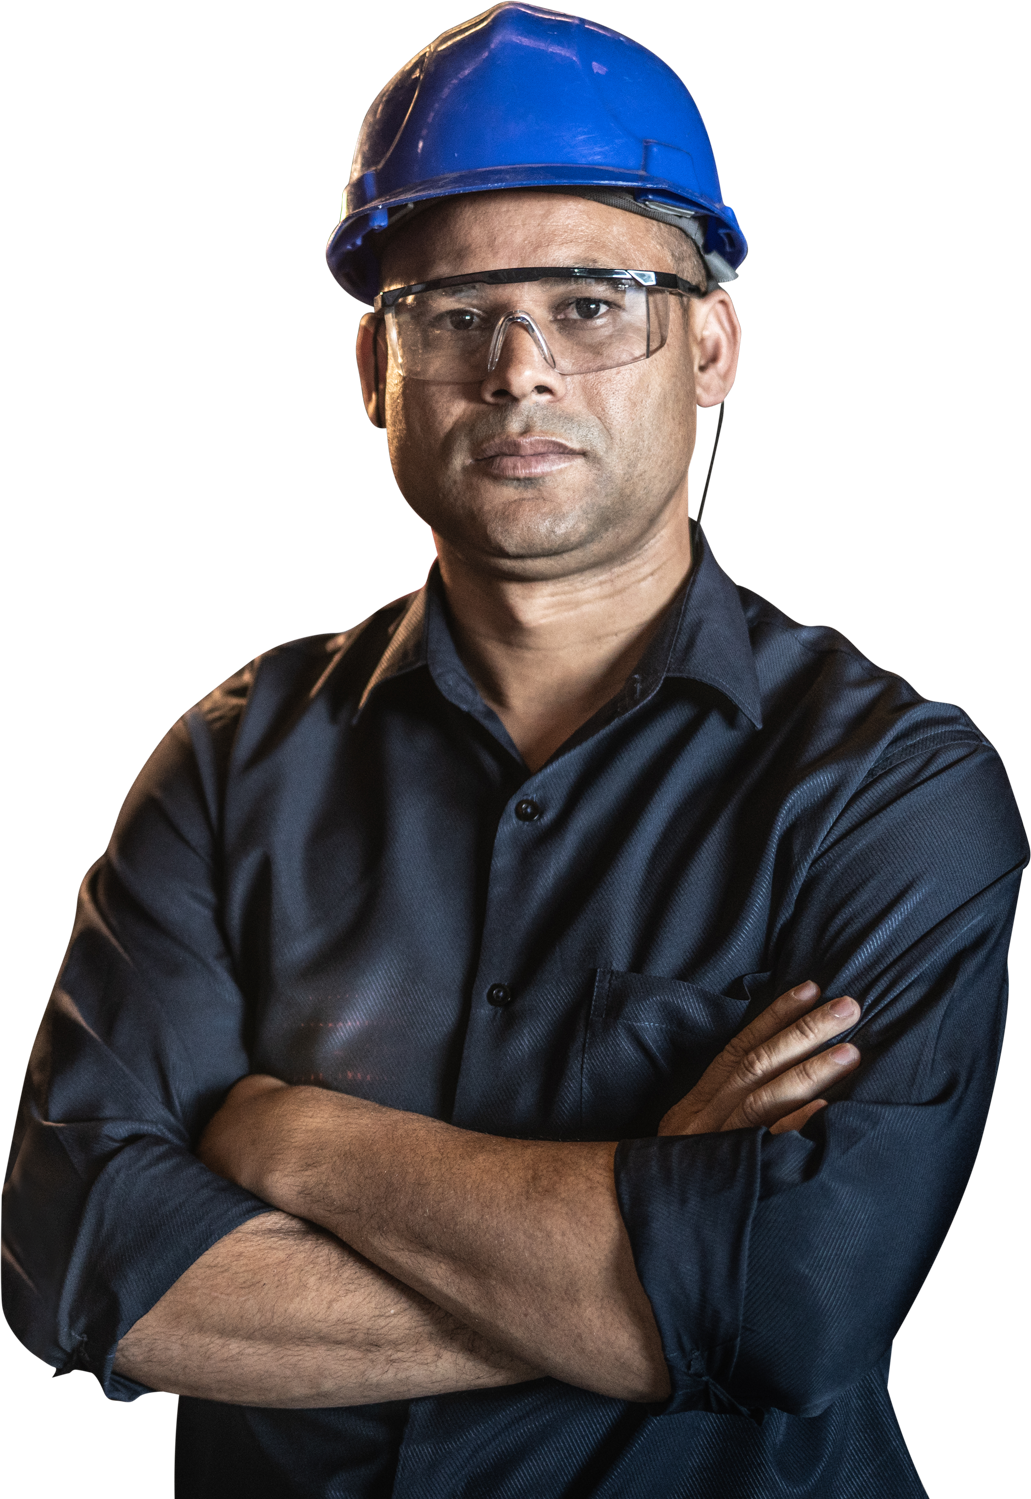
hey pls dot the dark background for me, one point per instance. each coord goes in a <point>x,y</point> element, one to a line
<point>820,553</point>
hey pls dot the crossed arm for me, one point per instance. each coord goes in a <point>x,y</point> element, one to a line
<point>411,1258</point>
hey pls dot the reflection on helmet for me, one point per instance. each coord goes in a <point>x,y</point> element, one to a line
<point>521,97</point>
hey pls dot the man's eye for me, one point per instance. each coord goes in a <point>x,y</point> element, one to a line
<point>461,320</point>
<point>588,308</point>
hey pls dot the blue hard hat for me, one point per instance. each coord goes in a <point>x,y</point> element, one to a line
<point>524,97</point>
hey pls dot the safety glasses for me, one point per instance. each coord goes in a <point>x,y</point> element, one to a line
<point>582,319</point>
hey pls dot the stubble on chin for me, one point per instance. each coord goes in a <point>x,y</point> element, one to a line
<point>535,529</point>
<point>445,480</point>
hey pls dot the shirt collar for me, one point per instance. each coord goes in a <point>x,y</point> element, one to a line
<point>421,636</point>
<point>703,639</point>
<point>406,648</point>
<point>706,639</point>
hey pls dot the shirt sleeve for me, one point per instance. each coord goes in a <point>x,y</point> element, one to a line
<point>780,1267</point>
<point>105,1206</point>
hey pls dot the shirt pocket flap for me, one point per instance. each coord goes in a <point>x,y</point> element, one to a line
<point>647,1042</point>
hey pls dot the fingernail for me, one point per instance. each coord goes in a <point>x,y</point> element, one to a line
<point>844,1054</point>
<point>806,990</point>
<point>842,1008</point>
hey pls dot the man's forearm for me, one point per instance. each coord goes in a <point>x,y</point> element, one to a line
<point>279,1313</point>
<point>521,1240</point>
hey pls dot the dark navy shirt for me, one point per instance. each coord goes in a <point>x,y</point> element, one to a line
<point>328,867</point>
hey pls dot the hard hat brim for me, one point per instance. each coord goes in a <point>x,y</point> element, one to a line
<point>352,248</point>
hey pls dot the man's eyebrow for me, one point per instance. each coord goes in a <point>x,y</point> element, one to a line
<point>458,291</point>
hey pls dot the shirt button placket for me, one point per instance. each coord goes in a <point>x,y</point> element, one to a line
<point>495,1044</point>
<point>500,995</point>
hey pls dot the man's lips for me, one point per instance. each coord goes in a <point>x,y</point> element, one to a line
<point>525,457</point>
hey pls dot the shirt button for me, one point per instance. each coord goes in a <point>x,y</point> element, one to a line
<point>527,810</point>
<point>499,995</point>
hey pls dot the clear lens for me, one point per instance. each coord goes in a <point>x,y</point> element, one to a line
<point>446,335</point>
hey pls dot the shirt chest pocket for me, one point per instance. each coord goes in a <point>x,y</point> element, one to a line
<point>647,1042</point>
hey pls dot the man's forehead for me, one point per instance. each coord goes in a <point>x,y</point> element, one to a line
<point>492,231</point>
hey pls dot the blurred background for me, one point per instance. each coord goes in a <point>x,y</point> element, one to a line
<point>818,553</point>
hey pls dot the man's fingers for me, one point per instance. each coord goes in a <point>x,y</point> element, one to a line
<point>761,1063</point>
<point>779,1098</point>
<point>711,1091</point>
<point>786,1008</point>
<point>788,1031</point>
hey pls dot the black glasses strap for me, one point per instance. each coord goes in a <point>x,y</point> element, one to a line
<point>712,460</point>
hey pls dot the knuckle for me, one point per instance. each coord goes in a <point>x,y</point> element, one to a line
<point>808,1029</point>
<point>736,1048</point>
<point>753,1110</point>
<point>811,1072</point>
<point>755,1064</point>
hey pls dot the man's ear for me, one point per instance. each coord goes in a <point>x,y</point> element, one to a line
<point>371,352</point>
<point>717,340</point>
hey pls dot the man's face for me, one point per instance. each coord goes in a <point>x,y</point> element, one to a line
<point>533,474</point>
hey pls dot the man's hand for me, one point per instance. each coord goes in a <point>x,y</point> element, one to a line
<point>772,1073</point>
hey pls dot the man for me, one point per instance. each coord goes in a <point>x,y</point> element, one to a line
<point>402,931</point>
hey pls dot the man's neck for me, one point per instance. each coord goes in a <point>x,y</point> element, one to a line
<point>546,654</point>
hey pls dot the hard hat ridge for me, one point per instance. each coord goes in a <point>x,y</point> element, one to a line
<point>522,97</point>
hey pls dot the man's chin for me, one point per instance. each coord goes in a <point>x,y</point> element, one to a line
<point>529,553</point>
<point>528,527</point>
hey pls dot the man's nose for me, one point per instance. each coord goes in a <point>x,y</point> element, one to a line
<point>521,372</point>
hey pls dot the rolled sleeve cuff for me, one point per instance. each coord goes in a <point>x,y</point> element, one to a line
<point>151,1211</point>
<point>687,1202</point>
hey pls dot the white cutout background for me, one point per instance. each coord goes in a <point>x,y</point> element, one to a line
<point>1006,1333</point>
<point>189,476</point>
<point>30,1442</point>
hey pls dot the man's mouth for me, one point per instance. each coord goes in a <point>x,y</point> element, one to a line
<point>525,457</point>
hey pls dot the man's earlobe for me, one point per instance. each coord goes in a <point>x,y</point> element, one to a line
<point>369,356</point>
<point>718,343</point>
